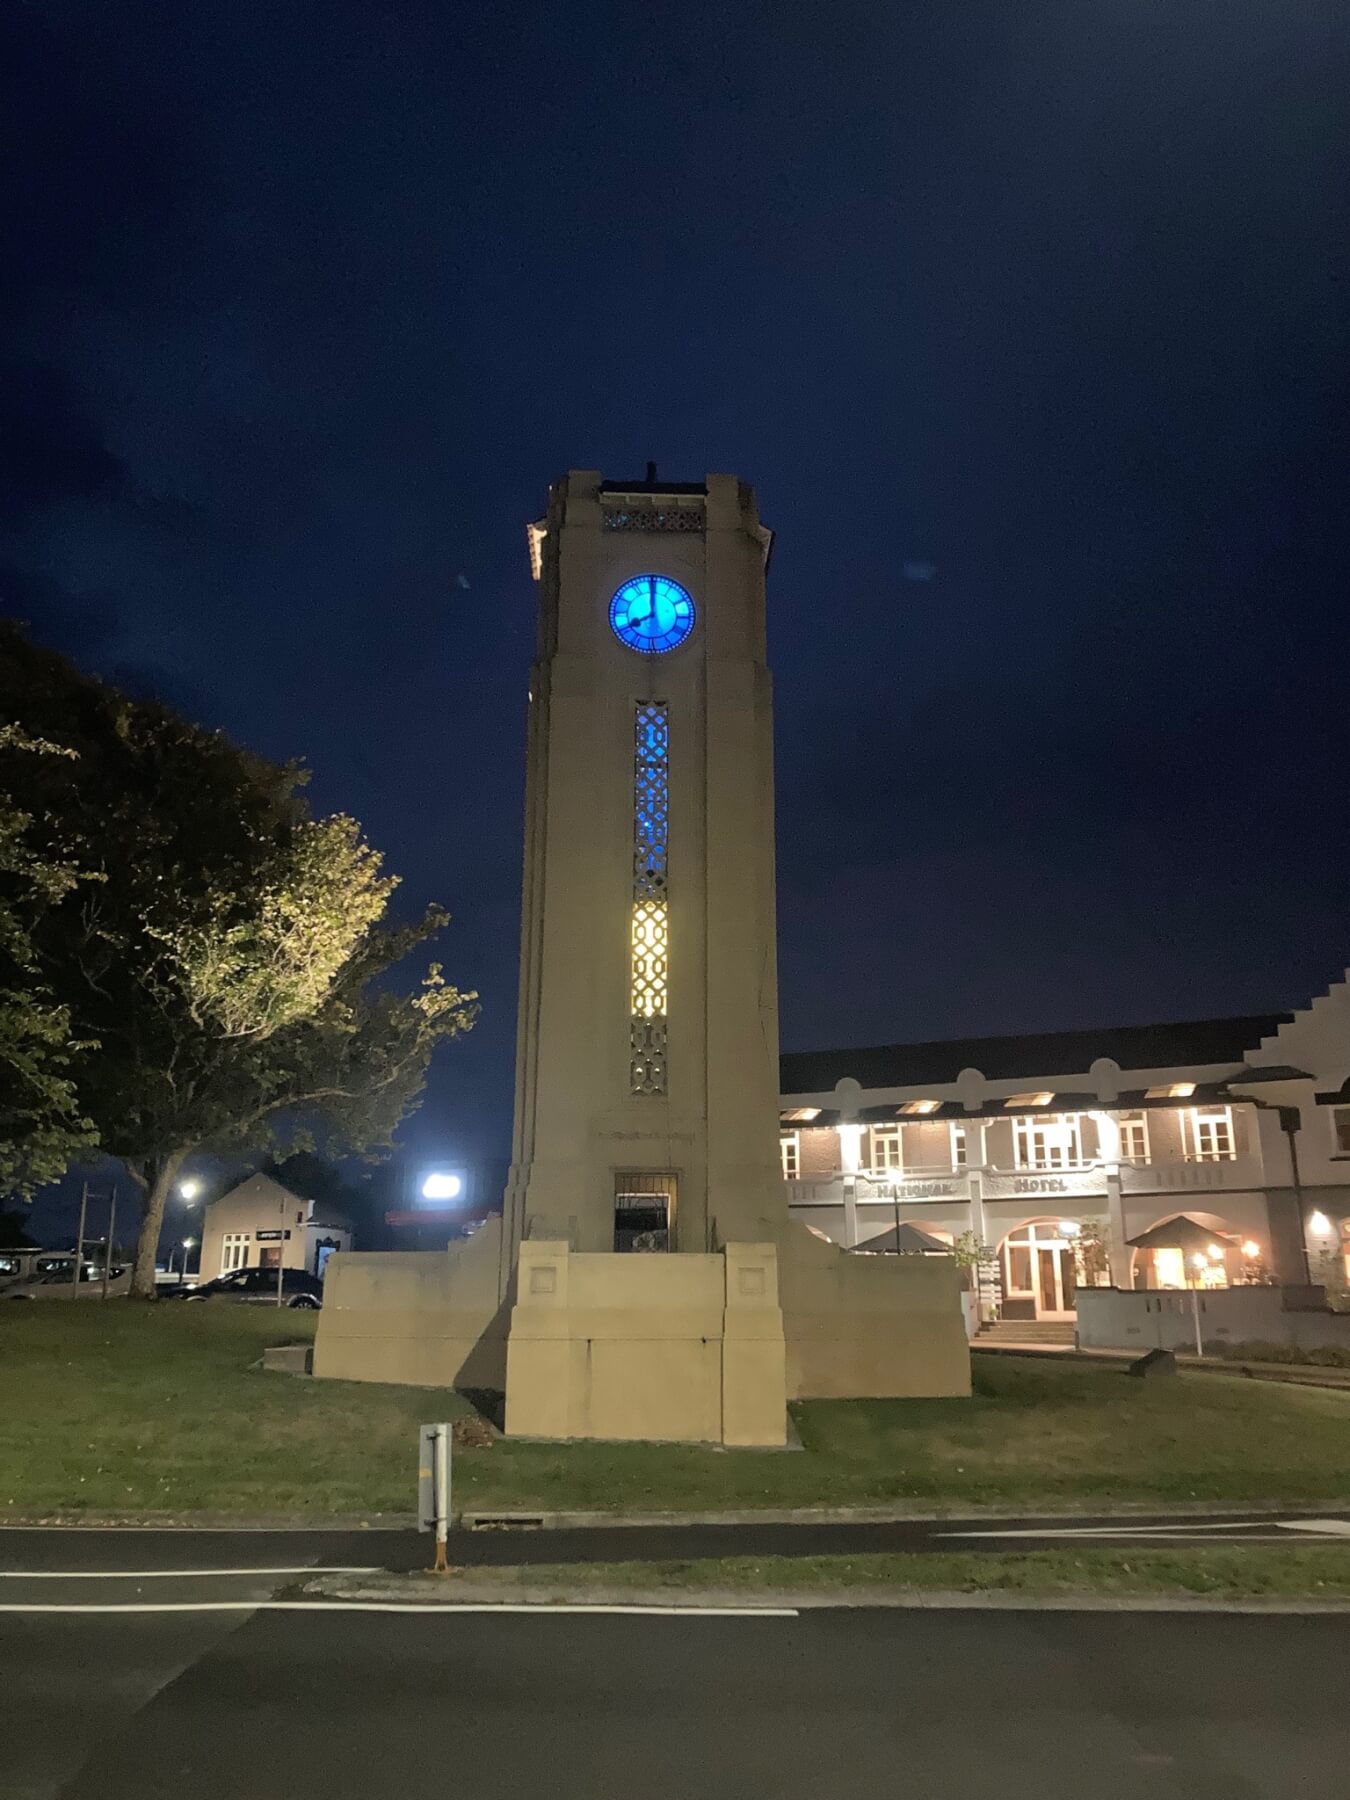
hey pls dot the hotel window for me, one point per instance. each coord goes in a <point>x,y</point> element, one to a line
<point>886,1147</point>
<point>790,1149</point>
<point>1340,1131</point>
<point>1210,1134</point>
<point>1133,1136</point>
<point>233,1252</point>
<point>958,1146</point>
<point>1053,1142</point>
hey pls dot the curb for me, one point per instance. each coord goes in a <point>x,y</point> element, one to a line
<point>1290,1374</point>
<point>505,1519</point>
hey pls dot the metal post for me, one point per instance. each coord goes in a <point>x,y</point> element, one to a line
<point>108,1247</point>
<point>440,1566</point>
<point>1195,1313</point>
<point>895,1205</point>
<point>281,1245</point>
<point>79,1242</point>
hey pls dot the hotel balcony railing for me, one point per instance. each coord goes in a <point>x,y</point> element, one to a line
<point>1173,1177</point>
<point>919,1185</point>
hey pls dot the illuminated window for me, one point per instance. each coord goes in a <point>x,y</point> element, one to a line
<point>886,1147</point>
<point>1049,1142</point>
<point>918,1108</point>
<point>1171,1090</point>
<point>800,1115</point>
<point>1209,1134</point>
<point>958,1146</point>
<point>234,1252</point>
<point>649,949</point>
<point>1133,1136</point>
<point>790,1149</point>
<point>1042,1098</point>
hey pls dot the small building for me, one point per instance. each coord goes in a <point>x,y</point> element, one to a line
<point>1137,1140</point>
<point>260,1224</point>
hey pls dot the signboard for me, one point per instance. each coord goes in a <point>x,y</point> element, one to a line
<point>429,1466</point>
<point>270,1237</point>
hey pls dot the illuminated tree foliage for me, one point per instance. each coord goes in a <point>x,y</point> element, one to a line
<point>218,975</point>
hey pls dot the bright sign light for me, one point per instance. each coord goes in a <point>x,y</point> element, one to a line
<point>442,1186</point>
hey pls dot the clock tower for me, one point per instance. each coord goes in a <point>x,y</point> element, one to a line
<point>646,1113</point>
<point>645,1279</point>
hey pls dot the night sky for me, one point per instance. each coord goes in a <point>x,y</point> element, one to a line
<point>1028,323</point>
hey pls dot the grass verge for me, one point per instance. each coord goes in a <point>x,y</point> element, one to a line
<point>1296,1573</point>
<point>120,1408</point>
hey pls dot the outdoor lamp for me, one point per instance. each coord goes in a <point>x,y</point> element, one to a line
<point>190,1188</point>
<point>1250,1248</point>
<point>1198,1261</point>
<point>442,1187</point>
<point>1216,1254</point>
<point>1320,1223</point>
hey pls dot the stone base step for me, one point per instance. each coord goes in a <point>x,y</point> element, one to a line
<point>1028,1331</point>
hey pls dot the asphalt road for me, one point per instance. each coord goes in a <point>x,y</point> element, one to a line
<point>45,1553</point>
<point>832,1705</point>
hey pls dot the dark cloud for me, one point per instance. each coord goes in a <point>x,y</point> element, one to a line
<point>1028,329</point>
<point>51,450</point>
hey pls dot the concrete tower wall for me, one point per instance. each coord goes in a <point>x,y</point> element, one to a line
<point>577,1122</point>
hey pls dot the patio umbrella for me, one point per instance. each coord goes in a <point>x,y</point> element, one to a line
<point>1183,1234</point>
<point>907,1240</point>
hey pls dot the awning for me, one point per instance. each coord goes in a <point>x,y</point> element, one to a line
<point>905,1240</point>
<point>1183,1234</point>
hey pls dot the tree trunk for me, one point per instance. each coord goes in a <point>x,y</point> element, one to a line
<point>155,1178</point>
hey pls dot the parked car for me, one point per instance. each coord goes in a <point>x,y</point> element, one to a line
<point>258,1287</point>
<point>59,1283</point>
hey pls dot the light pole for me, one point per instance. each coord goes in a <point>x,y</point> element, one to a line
<point>281,1241</point>
<point>188,1190</point>
<point>1198,1264</point>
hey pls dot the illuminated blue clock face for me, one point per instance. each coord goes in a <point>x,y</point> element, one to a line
<point>651,613</point>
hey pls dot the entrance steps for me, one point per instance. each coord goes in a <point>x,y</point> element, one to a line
<point>1028,1331</point>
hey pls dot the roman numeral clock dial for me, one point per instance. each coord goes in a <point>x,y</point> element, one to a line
<point>651,614</point>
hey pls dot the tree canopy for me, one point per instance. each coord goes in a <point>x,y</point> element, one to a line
<point>216,964</point>
<point>41,1126</point>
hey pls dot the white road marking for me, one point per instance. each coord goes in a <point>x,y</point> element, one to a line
<point>410,1606</point>
<point>1211,1528</point>
<point>1121,1530</point>
<point>222,1530</point>
<point>171,1574</point>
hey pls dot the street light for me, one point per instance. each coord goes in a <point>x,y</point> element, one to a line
<point>187,1245</point>
<point>190,1188</point>
<point>441,1186</point>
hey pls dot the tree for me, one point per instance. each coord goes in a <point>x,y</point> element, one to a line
<point>1092,1253</point>
<point>41,1126</point>
<point>232,963</point>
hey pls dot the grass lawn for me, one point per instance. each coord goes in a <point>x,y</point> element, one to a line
<point>119,1408</point>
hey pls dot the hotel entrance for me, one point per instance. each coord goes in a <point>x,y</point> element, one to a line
<point>1040,1274</point>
